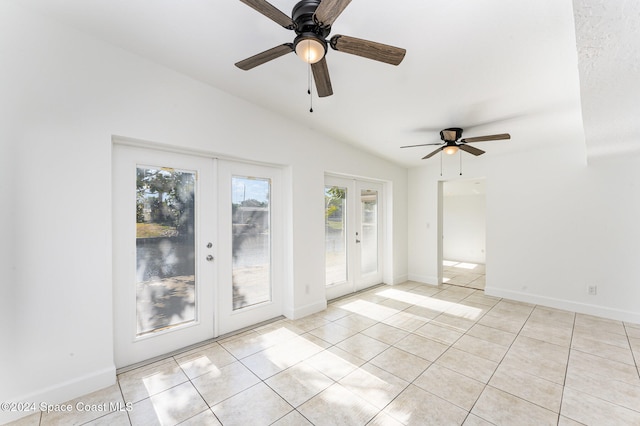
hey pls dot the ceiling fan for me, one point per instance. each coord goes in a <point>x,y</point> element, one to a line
<point>451,142</point>
<point>311,20</point>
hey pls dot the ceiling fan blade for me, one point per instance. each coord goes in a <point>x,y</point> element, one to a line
<point>432,154</point>
<point>321,77</point>
<point>422,144</point>
<point>471,149</point>
<point>329,10</point>
<point>271,12</point>
<point>501,136</point>
<point>368,49</point>
<point>265,56</point>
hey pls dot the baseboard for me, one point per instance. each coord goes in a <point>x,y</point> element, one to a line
<point>567,305</point>
<point>63,392</point>
<point>303,311</point>
<point>424,279</point>
<point>400,279</point>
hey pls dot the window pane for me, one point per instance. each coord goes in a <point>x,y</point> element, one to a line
<point>251,241</point>
<point>335,234</point>
<point>165,248</point>
<point>369,199</point>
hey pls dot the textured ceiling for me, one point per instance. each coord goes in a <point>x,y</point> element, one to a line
<point>490,67</point>
<point>608,39</point>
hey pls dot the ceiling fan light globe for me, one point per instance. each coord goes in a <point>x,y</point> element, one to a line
<point>310,50</point>
<point>450,150</point>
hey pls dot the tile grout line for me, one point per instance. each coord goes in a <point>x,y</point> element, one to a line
<point>123,399</point>
<point>431,363</point>
<point>566,372</point>
<point>197,390</point>
<point>500,363</point>
<point>633,355</point>
<point>327,321</point>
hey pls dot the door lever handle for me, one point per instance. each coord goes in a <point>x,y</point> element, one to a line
<point>357,240</point>
<point>210,258</point>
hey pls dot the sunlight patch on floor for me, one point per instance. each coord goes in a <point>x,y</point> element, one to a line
<point>442,306</point>
<point>369,309</point>
<point>463,265</point>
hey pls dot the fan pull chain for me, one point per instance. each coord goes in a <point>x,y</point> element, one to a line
<point>460,153</point>
<point>309,89</point>
<point>440,162</point>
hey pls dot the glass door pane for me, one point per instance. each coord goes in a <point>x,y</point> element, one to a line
<point>165,248</point>
<point>335,199</point>
<point>251,243</point>
<point>369,231</point>
<point>251,228</point>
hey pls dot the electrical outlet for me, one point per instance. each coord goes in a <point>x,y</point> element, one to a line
<point>592,290</point>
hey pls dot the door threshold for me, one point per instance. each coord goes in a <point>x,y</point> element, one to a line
<point>339,298</point>
<point>194,346</point>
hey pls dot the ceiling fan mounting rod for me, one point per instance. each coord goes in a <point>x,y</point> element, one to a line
<point>451,134</point>
<point>303,15</point>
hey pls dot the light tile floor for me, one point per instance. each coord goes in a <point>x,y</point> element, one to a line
<point>409,354</point>
<point>464,274</point>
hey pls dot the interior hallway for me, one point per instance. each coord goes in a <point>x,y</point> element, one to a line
<point>392,355</point>
<point>464,274</point>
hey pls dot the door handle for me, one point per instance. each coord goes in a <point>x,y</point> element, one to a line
<point>357,240</point>
<point>210,258</point>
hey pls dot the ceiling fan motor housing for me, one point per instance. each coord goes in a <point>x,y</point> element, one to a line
<point>303,16</point>
<point>306,26</point>
<point>451,135</point>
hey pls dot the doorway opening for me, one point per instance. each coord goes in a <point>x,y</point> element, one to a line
<point>461,255</point>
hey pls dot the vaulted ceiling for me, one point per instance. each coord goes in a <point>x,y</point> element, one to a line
<point>489,67</point>
<point>608,39</point>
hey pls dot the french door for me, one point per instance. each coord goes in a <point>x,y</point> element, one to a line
<point>193,249</point>
<point>251,267</point>
<point>353,235</point>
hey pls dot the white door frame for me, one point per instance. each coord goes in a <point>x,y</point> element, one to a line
<point>213,318</point>
<point>129,347</point>
<point>364,280</point>
<point>356,280</point>
<point>228,319</point>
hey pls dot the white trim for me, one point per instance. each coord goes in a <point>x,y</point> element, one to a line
<point>63,392</point>
<point>355,177</point>
<point>158,146</point>
<point>356,280</point>
<point>129,348</point>
<point>567,305</point>
<point>387,253</point>
<point>303,311</point>
<point>424,279</point>
<point>228,319</point>
<point>398,280</point>
<point>366,280</point>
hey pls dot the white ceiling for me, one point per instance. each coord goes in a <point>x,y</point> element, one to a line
<point>464,187</point>
<point>488,66</point>
<point>608,39</point>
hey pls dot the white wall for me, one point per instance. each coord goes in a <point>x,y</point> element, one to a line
<point>63,98</point>
<point>464,227</point>
<point>554,226</point>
